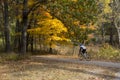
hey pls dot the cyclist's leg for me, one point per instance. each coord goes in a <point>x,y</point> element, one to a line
<point>83,51</point>
<point>86,55</point>
<point>80,53</point>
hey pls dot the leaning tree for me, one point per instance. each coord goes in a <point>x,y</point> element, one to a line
<point>115,5</point>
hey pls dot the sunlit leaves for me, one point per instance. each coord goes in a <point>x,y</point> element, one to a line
<point>50,26</point>
<point>52,29</point>
<point>31,2</point>
<point>106,7</point>
<point>90,27</point>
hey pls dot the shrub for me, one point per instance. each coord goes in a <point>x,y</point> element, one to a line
<point>108,52</point>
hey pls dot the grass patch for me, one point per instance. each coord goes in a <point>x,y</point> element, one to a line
<point>106,52</point>
<point>12,57</point>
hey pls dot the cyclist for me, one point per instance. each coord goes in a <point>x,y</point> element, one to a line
<point>83,52</point>
<point>82,49</point>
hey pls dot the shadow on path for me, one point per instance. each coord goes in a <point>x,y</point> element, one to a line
<point>54,65</point>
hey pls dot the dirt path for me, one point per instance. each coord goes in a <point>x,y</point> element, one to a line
<point>58,68</point>
<point>96,63</point>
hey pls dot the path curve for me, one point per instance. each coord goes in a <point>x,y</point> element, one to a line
<point>96,63</point>
<point>71,60</point>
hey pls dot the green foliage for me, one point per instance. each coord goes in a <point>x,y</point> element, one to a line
<point>83,10</point>
<point>73,14</point>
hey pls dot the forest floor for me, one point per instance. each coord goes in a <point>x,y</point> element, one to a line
<point>54,67</point>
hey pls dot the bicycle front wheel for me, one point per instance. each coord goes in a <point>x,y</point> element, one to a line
<point>86,56</point>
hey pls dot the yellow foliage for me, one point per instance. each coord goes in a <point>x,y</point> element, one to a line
<point>31,2</point>
<point>76,22</point>
<point>50,28</point>
<point>74,0</point>
<point>83,26</point>
<point>107,8</point>
<point>34,31</point>
<point>91,27</point>
<point>46,15</point>
<point>56,38</point>
<point>72,33</point>
<point>91,36</point>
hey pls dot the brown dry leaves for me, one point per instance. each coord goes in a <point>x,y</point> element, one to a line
<point>38,69</point>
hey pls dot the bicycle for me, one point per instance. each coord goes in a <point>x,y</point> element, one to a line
<point>84,55</point>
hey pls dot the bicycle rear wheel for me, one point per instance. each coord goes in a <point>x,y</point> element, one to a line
<point>86,56</point>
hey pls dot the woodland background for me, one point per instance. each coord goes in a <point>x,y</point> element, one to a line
<point>59,26</point>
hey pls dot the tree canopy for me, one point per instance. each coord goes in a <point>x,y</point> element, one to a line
<point>48,20</point>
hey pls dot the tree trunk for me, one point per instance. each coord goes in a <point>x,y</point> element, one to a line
<point>31,42</point>
<point>111,36</point>
<point>17,37</point>
<point>117,25</point>
<point>23,36</point>
<point>24,27</point>
<point>50,50</point>
<point>17,29</point>
<point>118,30</point>
<point>6,27</point>
<point>116,16</point>
<point>103,35</point>
<point>28,35</point>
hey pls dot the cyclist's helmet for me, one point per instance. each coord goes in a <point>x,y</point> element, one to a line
<point>81,44</point>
